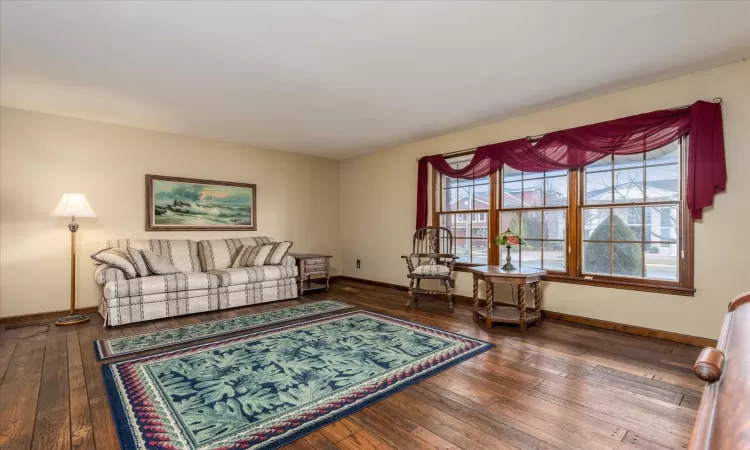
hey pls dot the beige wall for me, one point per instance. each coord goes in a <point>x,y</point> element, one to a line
<point>42,156</point>
<point>378,206</point>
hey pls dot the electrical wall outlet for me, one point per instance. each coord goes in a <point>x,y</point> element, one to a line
<point>358,262</point>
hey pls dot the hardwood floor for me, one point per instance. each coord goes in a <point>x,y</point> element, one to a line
<point>557,386</point>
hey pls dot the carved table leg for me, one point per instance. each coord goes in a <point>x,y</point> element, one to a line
<point>522,305</point>
<point>490,291</point>
<point>476,297</point>
<point>538,299</point>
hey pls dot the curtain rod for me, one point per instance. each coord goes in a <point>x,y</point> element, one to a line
<point>539,136</point>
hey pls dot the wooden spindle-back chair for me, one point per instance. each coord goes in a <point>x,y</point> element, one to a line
<point>432,258</point>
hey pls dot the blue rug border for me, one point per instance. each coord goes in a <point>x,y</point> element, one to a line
<point>127,441</point>
<point>98,349</point>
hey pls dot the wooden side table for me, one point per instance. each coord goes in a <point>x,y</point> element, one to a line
<point>312,264</point>
<point>507,312</point>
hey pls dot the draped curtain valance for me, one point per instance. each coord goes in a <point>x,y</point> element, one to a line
<point>578,147</point>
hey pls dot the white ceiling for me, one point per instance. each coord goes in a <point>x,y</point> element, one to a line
<point>341,79</point>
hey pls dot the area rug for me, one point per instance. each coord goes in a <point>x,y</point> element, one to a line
<point>126,345</point>
<point>266,389</point>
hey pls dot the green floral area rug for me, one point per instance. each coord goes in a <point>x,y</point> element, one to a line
<point>126,345</point>
<point>266,389</point>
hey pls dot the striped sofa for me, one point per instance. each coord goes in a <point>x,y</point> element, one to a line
<point>207,281</point>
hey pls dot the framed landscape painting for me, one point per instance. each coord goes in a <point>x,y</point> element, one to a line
<point>191,204</point>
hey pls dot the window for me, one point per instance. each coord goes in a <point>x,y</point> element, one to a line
<point>620,222</point>
<point>534,205</point>
<point>463,209</point>
<point>631,215</point>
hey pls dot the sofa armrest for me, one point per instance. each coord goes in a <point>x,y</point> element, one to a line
<point>289,261</point>
<point>104,273</point>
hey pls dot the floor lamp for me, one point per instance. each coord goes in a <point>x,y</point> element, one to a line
<point>73,205</point>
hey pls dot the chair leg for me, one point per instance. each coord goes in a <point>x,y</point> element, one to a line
<point>411,293</point>
<point>448,292</point>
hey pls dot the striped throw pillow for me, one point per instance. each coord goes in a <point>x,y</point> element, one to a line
<point>116,257</point>
<point>158,264</point>
<point>262,255</point>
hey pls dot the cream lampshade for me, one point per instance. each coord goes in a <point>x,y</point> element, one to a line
<point>73,205</point>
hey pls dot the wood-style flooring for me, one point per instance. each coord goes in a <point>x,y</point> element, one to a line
<point>557,386</point>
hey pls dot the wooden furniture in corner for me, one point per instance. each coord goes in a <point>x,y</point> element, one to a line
<point>506,312</point>
<point>312,264</point>
<point>723,420</point>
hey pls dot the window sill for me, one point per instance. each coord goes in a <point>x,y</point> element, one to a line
<point>643,286</point>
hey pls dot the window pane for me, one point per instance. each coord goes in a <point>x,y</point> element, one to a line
<point>463,249</point>
<point>531,255</point>
<point>554,224</point>
<point>596,224</point>
<point>557,173</point>
<point>479,226</point>
<point>663,225</point>
<point>557,191</point>
<point>485,180</point>
<point>533,192</point>
<point>627,224</point>
<point>596,256</point>
<point>669,154</point>
<point>627,260</point>
<point>604,164</point>
<point>598,187</point>
<point>511,175</point>
<point>462,228</point>
<point>554,255</point>
<point>448,221</point>
<point>449,182</point>
<point>624,161</point>
<point>533,175</point>
<point>482,196</point>
<point>510,220</point>
<point>531,224</point>
<point>479,251</point>
<point>629,185</point>
<point>662,261</point>
<point>512,195</point>
<point>450,197</point>
<point>465,198</point>
<point>663,183</point>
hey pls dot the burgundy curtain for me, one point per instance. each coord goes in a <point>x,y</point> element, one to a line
<point>581,146</point>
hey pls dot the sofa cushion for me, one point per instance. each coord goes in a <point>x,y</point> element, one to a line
<point>116,257</point>
<point>243,275</point>
<point>220,253</point>
<point>262,255</point>
<point>158,264</point>
<point>140,264</point>
<point>156,284</point>
<point>182,253</point>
